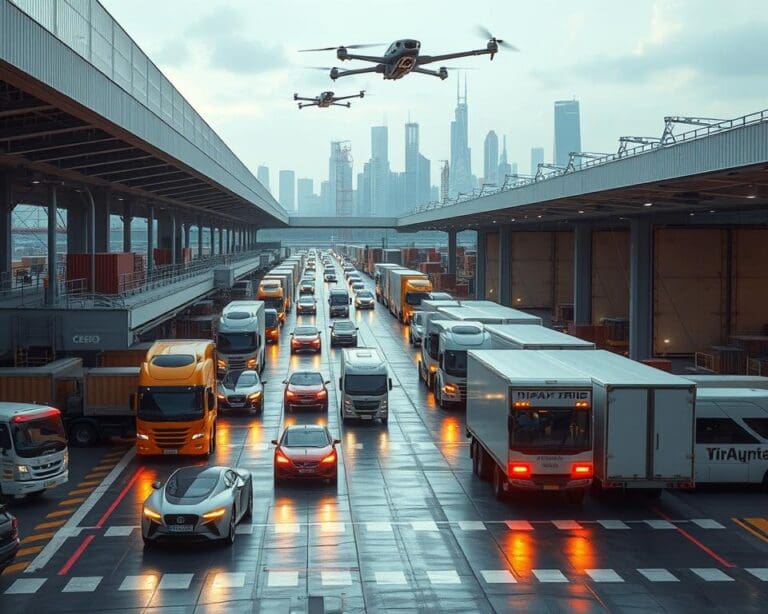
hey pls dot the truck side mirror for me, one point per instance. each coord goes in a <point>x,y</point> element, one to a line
<point>273,442</point>
<point>350,300</point>
<point>390,383</point>
<point>339,383</point>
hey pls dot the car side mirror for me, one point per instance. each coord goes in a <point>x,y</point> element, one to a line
<point>390,383</point>
<point>157,485</point>
<point>350,300</point>
<point>273,442</point>
<point>291,334</point>
<point>211,401</point>
<point>336,442</point>
<point>326,382</point>
<point>264,382</point>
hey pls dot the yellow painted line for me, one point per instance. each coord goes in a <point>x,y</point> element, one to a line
<point>72,501</point>
<point>30,550</point>
<point>60,513</point>
<point>89,483</point>
<point>751,530</point>
<point>14,568</point>
<point>80,491</point>
<point>104,467</point>
<point>38,537</point>
<point>49,525</point>
<point>100,474</point>
<point>761,524</point>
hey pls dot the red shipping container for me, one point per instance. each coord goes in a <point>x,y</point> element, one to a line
<point>659,363</point>
<point>462,290</point>
<point>162,256</point>
<point>114,272</point>
<point>79,268</point>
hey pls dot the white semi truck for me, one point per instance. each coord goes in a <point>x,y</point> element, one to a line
<point>529,420</point>
<point>364,385</point>
<point>241,337</point>
<point>527,337</point>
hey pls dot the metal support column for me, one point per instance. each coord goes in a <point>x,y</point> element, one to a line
<point>187,233</point>
<point>172,215</point>
<point>6,236</point>
<point>102,200</point>
<point>640,288</point>
<point>452,252</point>
<point>200,239</point>
<point>505,265</point>
<point>221,240</point>
<point>582,274</point>
<point>480,257</point>
<point>150,240</point>
<point>212,251</point>
<point>127,221</point>
<point>53,219</point>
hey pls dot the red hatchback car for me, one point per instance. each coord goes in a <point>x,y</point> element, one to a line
<point>307,390</point>
<point>306,451</point>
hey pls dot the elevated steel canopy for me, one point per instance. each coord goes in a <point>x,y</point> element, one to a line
<point>81,102</point>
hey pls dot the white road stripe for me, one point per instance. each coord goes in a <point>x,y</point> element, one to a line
<point>25,586</point>
<point>711,574</point>
<point>448,576</point>
<point>566,525</point>
<point>519,525</point>
<point>379,527</point>
<point>613,524</point>
<point>52,547</point>
<point>390,577</point>
<point>472,525</point>
<point>235,579</point>
<point>604,575</point>
<point>287,527</point>
<point>761,573</point>
<point>119,531</point>
<point>282,579</point>
<point>707,523</point>
<point>139,583</point>
<point>335,578</point>
<point>175,581</point>
<point>549,575</point>
<point>659,524</point>
<point>658,575</point>
<point>82,584</point>
<point>424,525</point>
<point>333,527</point>
<point>498,576</point>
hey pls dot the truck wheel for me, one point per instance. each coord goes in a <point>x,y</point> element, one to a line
<point>212,442</point>
<point>475,454</point>
<point>483,463</point>
<point>83,434</point>
<point>499,482</point>
<point>575,495</point>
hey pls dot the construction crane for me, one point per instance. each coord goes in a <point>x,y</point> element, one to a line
<point>638,140</point>
<point>578,155</point>
<point>671,120</point>
<point>548,166</point>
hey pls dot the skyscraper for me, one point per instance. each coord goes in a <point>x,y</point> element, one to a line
<point>423,183</point>
<point>288,190</point>
<point>537,157</point>
<point>411,196</point>
<point>379,180</point>
<point>491,159</point>
<point>305,196</point>
<point>461,155</point>
<point>341,197</point>
<point>504,167</point>
<point>262,174</point>
<point>567,130</point>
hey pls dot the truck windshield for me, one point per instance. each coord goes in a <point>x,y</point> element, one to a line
<point>455,363</point>
<point>374,385</point>
<point>270,319</point>
<point>558,429</point>
<point>36,437</point>
<point>172,403</point>
<point>415,298</point>
<point>274,302</point>
<point>236,342</point>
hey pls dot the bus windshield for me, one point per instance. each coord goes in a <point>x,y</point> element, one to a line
<point>171,403</point>
<point>38,436</point>
<point>550,429</point>
<point>236,342</point>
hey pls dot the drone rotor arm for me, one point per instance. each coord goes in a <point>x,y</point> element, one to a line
<point>429,59</point>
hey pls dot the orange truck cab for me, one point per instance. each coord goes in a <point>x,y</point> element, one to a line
<point>271,325</point>
<point>176,404</point>
<point>271,292</point>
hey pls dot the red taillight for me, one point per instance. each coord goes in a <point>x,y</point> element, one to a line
<point>38,415</point>
<point>581,470</point>
<point>281,458</point>
<point>331,458</point>
<point>322,394</point>
<point>519,470</point>
<point>14,527</point>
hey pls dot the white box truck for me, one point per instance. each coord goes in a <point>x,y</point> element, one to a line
<point>489,315</point>
<point>643,420</point>
<point>527,337</point>
<point>732,436</point>
<point>529,420</point>
<point>379,278</point>
<point>241,337</point>
<point>364,385</point>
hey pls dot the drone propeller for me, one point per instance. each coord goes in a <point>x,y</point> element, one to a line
<point>485,32</point>
<point>318,67</point>
<point>363,46</point>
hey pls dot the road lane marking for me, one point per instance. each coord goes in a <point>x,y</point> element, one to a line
<point>14,568</point>
<point>335,578</point>
<point>25,586</point>
<point>707,523</point>
<point>391,577</point>
<point>711,574</point>
<point>472,525</point>
<point>695,541</point>
<point>286,527</point>
<point>567,525</point>
<point>749,529</point>
<point>244,529</point>
<point>175,581</point>
<point>424,525</point>
<point>447,576</point>
<point>80,491</point>
<point>88,483</point>
<point>659,524</point>
<point>498,576</point>
<point>604,575</point>
<point>234,579</point>
<point>761,573</point>
<point>38,537</point>
<point>72,501</point>
<point>60,513</point>
<point>282,579</point>
<point>379,527</point>
<point>549,575</point>
<point>333,527</point>
<point>613,525</point>
<point>119,531</point>
<point>658,575</point>
<point>27,551</point>
<point>53,546</point>
<point>519,525</point>
<point>49,525</point>
<point>82,584</point>
<point>146,582</point>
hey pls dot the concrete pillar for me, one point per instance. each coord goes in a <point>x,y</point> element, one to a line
<point>6,237</point>
<point>150,239</point>
<point>452,252</point>
<point>505,265</point>
<point>640,288</point>
<point>221,240</point>
<point>101,223</point>
<point>174,243</point>
<point>213,241</point>
<point>187,228</point>
<point>480,257</point>
<point>199,239</point>
<point>50,294</point>
<point>582,274</point>
<point>127,220</point>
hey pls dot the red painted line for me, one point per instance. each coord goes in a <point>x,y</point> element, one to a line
<point>89,538</point>
<point>76,555</point>
<point>695,541</point>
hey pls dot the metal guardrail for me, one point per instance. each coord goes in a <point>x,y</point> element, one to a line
<point>691,135</point>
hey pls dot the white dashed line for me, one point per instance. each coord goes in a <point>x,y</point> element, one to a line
<point>566,525</point>
<point>335,578</point>
<point>604,575</point>
<point>139,583</point>
<point>390,577</point>
<point>235,579</point>
<point>519,525</point>
<point>175,581</point>
<point>658,575</point>
<point>498,576</point>
<point>549,575</point>
<point>472,525</point>
<point>82,584</point>
<point>448,576</point>
<point>25,586</point>
<point>282,579</point>
<point>711,574</point>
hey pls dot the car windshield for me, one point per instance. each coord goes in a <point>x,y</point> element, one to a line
<point>456,363</point>
<point>339,299</point>
<point>185,486</point>
<point>304,378</point>
<point>414,298</point>
<point>270,319</point>
<point>35,437</point>
<point>307,301</point>
<point>418,318</point>
<point>344,326</point>
<point>364,294</point>
<point>171,403</point>
<point>275,303</point>
<point>374,385</point>
<point>550,429</point>
<point>236,342</point>
<point>305,331</point>
<point>305,438</point>
<point>247,379</point>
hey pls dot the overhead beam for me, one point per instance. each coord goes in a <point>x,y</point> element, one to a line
<point>24,109</point>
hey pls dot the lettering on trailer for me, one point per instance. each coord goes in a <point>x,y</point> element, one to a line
<point>552,395</point>
<point>85,339</point>
<point>732,454</point>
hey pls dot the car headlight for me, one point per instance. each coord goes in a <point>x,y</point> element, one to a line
<point>198,436</point>
<point>222,397</point>
<point>348,403</point>
<point>214,514</point>
<point>251,363</point>
<point>142,436</point>
<point>152,514</point>
<point>22,471</point>
<point>222,364</point>
<point>254,395</point>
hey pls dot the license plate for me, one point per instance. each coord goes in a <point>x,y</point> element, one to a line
<point>236,404</point>
<point>170,451</point>
<point>366,417</point>
<point>180,528</point>
<point>551,487</point>
<point>49,483</point>
<point>306,470</point>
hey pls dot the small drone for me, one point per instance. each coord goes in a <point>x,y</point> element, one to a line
<point>326,99</point>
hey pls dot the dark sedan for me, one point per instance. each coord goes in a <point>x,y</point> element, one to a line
<point>343,332</point>
<point>306,451</point>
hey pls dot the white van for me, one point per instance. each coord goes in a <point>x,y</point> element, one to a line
<point>364,385</point>
<point>732,436</point>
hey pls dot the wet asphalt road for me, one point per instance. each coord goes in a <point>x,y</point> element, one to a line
<point>408,528</point>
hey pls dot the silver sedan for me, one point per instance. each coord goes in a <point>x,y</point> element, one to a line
<point>198,503</point>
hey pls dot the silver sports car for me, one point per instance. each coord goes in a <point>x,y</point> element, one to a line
<point>202,503</point>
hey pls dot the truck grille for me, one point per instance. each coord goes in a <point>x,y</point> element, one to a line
<point>368,406</point>
<point>170,438</point>
<point>180,519</point>
<point>463,391</point>
<point>46,470</point>
<point>236,364</point>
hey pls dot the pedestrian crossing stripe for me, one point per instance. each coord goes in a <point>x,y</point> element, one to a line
<point>289,578</point>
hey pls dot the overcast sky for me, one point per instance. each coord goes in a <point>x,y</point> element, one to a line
<point>628,63</point>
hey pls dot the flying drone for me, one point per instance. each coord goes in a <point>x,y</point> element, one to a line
<point>326,99</point>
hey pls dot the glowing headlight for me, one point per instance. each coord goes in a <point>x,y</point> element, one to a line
<point>151,514</point>
<point>142,436</point>
<point>22,469</point>
<point>255,395</point>
<point>251,363</point>
<point>198,436</point>
<point>213,514</point>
